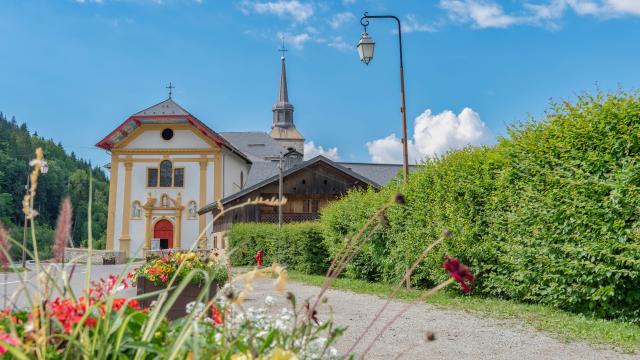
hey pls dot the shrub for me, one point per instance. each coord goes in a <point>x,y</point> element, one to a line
<point>298,246</point>
<point>548,215</point>
<point>342,219</point>
<point>569,229</point>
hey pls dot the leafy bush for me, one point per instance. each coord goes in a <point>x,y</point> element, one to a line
<point>343,219</point>
<point>298,246</point>
<point>548,215</point>
<point>569,229</point>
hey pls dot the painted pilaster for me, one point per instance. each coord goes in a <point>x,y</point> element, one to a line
<point>148,230</point>
<point>203,201</point>
<point>217,175</point>
<point>125,238</point>
<point>177,234</point>
<point>111,213</point>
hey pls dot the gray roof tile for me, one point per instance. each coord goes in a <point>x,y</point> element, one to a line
<point>257,145</point>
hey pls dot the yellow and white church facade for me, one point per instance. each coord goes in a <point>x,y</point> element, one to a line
<point>165,165</point>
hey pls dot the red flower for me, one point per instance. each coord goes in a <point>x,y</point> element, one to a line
<point>134,304</point>
<point>164,277</point>
<point>459,272</point>
<point>216,315</point>
<point>5,339</point>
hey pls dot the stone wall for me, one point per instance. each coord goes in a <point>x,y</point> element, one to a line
<point>80,255</point>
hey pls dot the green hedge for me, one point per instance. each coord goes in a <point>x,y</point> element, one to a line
<point>298,246</point>
<point>548,215</point>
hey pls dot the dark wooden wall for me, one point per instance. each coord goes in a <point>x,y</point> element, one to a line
<point>307,192</point>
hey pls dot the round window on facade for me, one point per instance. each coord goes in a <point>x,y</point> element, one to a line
<point>167,134</point>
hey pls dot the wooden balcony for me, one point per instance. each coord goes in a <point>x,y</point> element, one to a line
<point>289,217</point>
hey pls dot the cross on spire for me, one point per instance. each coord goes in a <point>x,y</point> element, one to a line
<point>283,49</point>
<point>170,87</point>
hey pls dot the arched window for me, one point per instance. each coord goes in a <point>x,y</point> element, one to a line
<point>166,173</point>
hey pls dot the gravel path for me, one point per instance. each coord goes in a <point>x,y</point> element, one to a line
<point>459,335</point>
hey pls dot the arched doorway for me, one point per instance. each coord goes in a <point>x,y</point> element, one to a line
<point>163,230</point>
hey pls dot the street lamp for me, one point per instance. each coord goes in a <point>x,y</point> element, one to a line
<point>365,50</point>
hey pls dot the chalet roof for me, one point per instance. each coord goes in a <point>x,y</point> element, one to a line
<point>293,170</point>
<point>257,145</point>
<point>165,112</point>
<point>380,173</point>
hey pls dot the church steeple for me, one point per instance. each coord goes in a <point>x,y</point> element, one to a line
<point>283,109</point>
<point>283,129</point>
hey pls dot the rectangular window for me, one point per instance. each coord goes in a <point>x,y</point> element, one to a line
<point>152,177</point>
<point>305,206</point>
<point>178,177</point>
<point>314,206</point>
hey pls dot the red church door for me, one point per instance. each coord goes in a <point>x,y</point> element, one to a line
<point>163,230</point>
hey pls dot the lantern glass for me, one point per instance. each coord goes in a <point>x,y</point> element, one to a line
<point>365,48</point>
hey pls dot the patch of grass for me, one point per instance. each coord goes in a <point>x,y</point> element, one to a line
<point>558,323</point>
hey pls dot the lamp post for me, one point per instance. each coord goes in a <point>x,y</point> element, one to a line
<point>365,50</point>
<point>44,168</point>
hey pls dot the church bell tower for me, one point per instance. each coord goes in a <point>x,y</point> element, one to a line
<point>283,129</point>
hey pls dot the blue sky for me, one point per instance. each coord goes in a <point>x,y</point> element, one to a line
<point>74,70</point>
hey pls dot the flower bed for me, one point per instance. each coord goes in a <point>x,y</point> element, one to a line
<point>160,272</point>
<point>178,309</point>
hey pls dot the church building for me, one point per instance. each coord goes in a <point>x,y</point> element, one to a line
<point>167,166</point>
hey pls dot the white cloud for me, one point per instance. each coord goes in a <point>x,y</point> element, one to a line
<point>295,40</point>
<point>340,19</point>
<point>482,14</point>
<point>489,14</point>
<point>294,9</point>
<point>433,135</point>
<point>339,43</point>
<point>311,151</point>
<point>387,150</point>
<point>122,21</point>
<point>412,24</point>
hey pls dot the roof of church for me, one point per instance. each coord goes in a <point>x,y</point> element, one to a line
<point>292,170</point>
<point>261,170</point>
<point>165,112</point>
<point>257,145</point>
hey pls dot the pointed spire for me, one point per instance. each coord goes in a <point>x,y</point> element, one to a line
<point>282,109</point>
<point>283,95</point>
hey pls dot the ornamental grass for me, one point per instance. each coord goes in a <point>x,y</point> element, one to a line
<point>98,322</point>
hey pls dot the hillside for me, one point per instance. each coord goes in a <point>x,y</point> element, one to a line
<point>67,176</point>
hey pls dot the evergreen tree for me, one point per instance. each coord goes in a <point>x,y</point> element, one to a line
<point>67,176</point>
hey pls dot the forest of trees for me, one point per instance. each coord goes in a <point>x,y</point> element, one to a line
<point>67,176</point>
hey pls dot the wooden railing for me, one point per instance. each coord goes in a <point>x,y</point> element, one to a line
<point>289,217</point>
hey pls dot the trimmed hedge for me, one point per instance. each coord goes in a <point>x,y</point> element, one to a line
<point>548,215</point>
<point>298,246</point>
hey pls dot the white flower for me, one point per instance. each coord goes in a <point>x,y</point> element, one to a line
<point>193,306</point>
<point>332,352</point>
<point>269,301</point>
